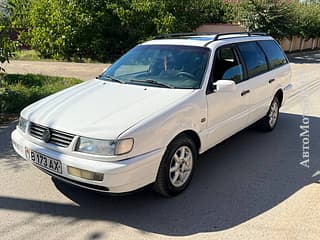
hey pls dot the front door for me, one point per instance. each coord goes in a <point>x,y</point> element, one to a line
<point>227,111</point>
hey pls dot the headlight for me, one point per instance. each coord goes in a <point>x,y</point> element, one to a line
<point>22,124</point>
<point>104,147</point>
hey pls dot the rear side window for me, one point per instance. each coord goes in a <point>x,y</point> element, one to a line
<point>253,57</point>
<point>274,53</point>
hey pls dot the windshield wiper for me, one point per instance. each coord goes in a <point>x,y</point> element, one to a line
<point>151,81</point>
<point>111,78</point>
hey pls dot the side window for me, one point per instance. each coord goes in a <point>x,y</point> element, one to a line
<point>254,58</point>
<point>274,53</point>
<point>227,65</point>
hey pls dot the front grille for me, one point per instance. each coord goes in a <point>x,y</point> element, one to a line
<point>59,138</point>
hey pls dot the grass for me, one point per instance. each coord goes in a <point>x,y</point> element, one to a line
<point>18,90</point>
<point>29,55</point>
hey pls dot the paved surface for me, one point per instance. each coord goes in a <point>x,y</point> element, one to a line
<point>252,186</point>
<point>82,71</point>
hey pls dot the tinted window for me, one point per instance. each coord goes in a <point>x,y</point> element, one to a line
<point>227,65</point>
<point>275,55</point>
<point>253,57</point>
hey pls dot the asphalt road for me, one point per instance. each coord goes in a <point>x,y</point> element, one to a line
<point>252,186</point>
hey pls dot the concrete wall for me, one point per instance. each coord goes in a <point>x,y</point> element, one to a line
<point>299,44</point>
<point>220,28</point>
<point>285,44</point>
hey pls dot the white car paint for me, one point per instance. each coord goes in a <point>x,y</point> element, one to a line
<point>100,109</point>
<point>152,116</point>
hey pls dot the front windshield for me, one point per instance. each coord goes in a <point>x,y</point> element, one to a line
<point>160,66</point>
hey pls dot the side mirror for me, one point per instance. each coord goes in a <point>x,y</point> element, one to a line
<point>225,86</point>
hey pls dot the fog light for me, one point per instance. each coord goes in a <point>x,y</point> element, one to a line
<point>85,174</point>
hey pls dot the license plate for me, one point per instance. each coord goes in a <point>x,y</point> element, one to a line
<point>44,161</point>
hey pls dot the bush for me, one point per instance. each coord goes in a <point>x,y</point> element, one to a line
<point>276,18</point>
<point>281,18</point>
<point>18,91</point>
<point>26,55</point>
<point>308,19</point>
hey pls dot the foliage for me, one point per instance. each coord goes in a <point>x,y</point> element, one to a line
<point>270,16</point>
<point>17,91</point>
<point>29,55</point>
<point>308,19</point>
<point>104,29</point>
<point>281,18</point>
<point>7,46</point>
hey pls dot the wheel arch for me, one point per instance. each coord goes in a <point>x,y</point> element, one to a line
<point>192,135</point>
<point>279,95</point>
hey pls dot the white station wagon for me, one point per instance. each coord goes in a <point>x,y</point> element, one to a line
<point>147,117</point>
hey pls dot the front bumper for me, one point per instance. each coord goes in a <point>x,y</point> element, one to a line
<point>119,177</point>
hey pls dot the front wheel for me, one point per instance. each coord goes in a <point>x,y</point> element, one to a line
<point>177,166</point>
<point>269,122</point>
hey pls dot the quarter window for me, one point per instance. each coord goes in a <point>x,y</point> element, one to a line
<point>254,58</point>
<point>274,54</point>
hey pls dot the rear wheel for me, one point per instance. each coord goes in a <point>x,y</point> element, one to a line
<point>269,122</point>
<point>177,166</point>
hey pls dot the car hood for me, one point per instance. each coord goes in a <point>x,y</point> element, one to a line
<point>100,109</point>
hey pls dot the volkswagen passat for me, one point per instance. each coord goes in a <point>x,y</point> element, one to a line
<point>147,117</point>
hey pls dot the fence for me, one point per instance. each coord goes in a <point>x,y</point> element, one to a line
<point>299,44</point>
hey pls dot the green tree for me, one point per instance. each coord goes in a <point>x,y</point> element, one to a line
<point>277,18</point>
<point>54,27</point>
<point>308,19</point>
<point>7,46</point>
<point>104,29</point>
<point>19,12</point>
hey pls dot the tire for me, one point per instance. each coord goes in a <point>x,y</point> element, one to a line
<point>176,167</point>
<point>269,122</point>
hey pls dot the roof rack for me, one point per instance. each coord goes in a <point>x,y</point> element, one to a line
<point>216,37</point>
<point>172,35</point>
<point>249,34</point>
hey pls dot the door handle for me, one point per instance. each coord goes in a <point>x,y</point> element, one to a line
<point>245,92</point>
<point>271,80</point>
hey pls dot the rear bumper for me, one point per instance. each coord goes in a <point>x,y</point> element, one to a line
<point>119,177</point>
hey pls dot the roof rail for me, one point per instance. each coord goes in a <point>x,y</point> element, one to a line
<point>216,37</point>
<point>172,35</point>
<point>249,34</point>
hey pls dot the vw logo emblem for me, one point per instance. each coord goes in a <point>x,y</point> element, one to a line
<point>46,135</point>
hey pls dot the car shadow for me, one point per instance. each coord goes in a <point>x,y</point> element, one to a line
<point>307,57</point>
<point>239,179</point>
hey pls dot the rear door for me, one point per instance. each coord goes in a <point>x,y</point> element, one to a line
<point>278,65</point>
<point>259,79</point>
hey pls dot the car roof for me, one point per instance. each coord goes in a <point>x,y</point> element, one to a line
<point>202,39</point>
